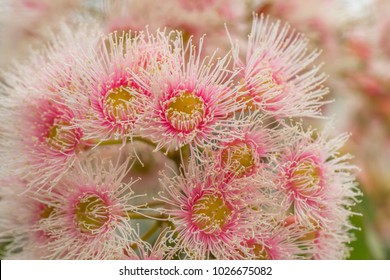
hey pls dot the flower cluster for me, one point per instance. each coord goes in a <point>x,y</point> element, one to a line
<point>145,145</point>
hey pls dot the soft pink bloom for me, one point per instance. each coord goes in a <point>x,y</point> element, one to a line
<point>20,222</point>
<point>317,181</point>
<point>114,91</point>
<point>277,71</point>
<point>245,154</point>
<point>36,118</point>
<point>44,140</point>
<point>333,242</point>
<point>211,214</point>
<point>195,99</point>
<point>92,217</point>
<point>275,241</point>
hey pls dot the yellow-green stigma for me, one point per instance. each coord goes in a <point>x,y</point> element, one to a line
<point>259,252</point>
<point>210,213</point>
<point>61,137</point>
<point>46,212</point>
<point>91,214</point>
<point>306,177</point>
<point>238,158</point>
<point>185,111</point>
<point>119,103</point>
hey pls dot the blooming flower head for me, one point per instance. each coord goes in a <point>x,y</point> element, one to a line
<point>21,220</point>
<point>276,71</point>
<point>39,123</point>
<point>53,142</point>
<point>194,99</point>
<point>211,214</point>
<point>332,243</point>
<point>248,151</point>
<point>325,242</point>
<point>92,212</point>
<point>114,93</point>
<point>317,182</point>
<point>274,241</point>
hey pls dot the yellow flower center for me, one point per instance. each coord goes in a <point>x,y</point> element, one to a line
<point>91,214</point>
<point>306,177</point>
<point>272,81</point>
<point>185,111</point>
<point>259,252</point>
<point>310,229</point>
<point>254,250</point>
<point>210,213</point>
<point>268,79</point>
<point>268,90</point>
<point>46,212</point>
<point>239,158</point>
<point>245,97</point>
<point>119,103</point>
<point>61,137</point>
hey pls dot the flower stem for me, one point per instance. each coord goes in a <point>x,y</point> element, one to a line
<point>151,231</point>
<point>154,203</point>
<point>133,215</point>
<point>175,156</point>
